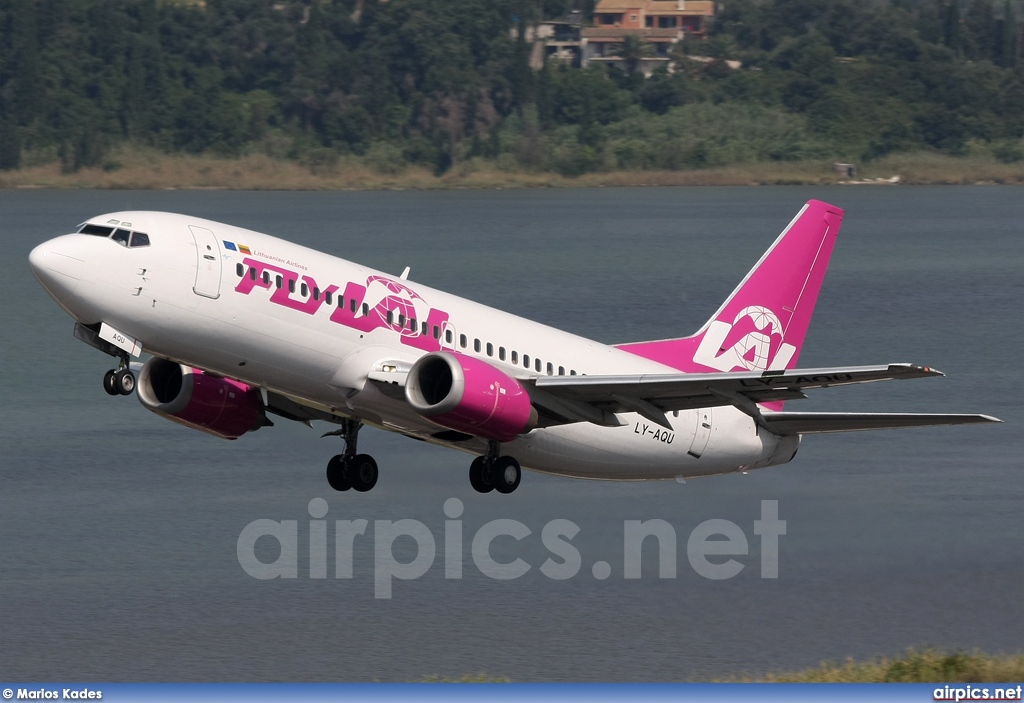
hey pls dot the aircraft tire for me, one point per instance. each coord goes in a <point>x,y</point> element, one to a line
<point>477,471</point>
<point>124,382</point>
<point>336,474</point>
<point>506,474</point>
<point>108,383</point>
<point>362,471</point>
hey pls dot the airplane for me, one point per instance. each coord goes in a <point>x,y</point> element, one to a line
<point>241,325</point>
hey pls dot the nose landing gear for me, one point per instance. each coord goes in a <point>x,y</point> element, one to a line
<point>119,381</point>
<point>495,473</point>
<point>351,470</point>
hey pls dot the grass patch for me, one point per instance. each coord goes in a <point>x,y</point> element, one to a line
<point>916,666</point>
<point>135,167</point>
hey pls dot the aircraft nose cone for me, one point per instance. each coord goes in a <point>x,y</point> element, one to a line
<point>37,259</point>
<point>59,272</point>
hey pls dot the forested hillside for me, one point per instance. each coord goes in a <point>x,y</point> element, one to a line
<point>439,82</point>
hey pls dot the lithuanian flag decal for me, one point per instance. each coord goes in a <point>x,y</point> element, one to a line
<point>231,246</point>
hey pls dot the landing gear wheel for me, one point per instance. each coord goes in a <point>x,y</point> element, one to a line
<point>124,381</point>
<point>506,474</point>
<point>337,474</point>
<point>351,470</point>
<point>477,474</point>
<point>362,471</point>
<point>108,383</point>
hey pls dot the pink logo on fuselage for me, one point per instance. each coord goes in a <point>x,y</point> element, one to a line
<point>381,303</point>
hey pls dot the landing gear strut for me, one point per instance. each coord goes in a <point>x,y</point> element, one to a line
<point>351,470</point>
<point>119,381</point>
<point>493,472</point>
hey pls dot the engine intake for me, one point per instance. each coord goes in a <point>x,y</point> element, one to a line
<point>199,400</point>
<point>469,395</point>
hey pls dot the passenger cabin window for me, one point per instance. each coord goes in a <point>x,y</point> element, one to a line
<point>121,236</point>
<point>490,349</point>
<point>551,369</point>
<point>252,273</point>
<point>437,332</point>
<point>448,336</point>
<point>305,290</point>
<point>96,230</point>
<point>280,281</point>
<point>366,309</point>
<point>501,353</point>
<point>425,329</point>
<point>561,370</point>
<point>352,304</point>
<point>316,293</point>
<point>476,345</point>
<point>327,298</point>
<point>515,357</point>
<point>266,278</point>
<point>240,270</point>
<point>536,365</point>
<point>413,325</point>
<point>462,341</point>
<point>291,285</point>
<point>401,320</point>
<point>391,317</point>
<point>526,361</point>
<point>572,372</point>
<point>139,240</point>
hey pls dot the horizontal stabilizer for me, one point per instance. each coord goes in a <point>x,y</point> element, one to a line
<point>817,423</point>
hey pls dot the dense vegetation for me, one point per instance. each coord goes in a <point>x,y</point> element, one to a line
<point>439,82</point>
<point>916,666</point>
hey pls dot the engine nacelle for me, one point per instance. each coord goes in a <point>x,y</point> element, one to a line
<point>469,395</point>
<point>199,400</point>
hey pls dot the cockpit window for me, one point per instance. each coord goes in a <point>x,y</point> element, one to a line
<point>97,230</point>
<point>121,237</point>
<point>139,240</point>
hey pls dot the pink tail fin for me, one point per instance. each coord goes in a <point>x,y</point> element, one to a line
<point>763,323</point>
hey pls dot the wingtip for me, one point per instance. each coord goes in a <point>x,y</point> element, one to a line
<point>926,370</point>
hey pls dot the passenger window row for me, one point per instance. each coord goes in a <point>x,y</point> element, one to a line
<point>512,356</point>
<point>124,237</point>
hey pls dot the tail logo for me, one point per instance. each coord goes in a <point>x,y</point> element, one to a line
<point>752,342</point>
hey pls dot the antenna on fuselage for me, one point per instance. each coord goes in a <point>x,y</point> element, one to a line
<point>405,274</point>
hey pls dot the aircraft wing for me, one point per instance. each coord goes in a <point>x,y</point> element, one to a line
<point>597,398</point>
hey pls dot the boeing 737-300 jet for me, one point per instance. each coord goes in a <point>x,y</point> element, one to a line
<point>240,325</point>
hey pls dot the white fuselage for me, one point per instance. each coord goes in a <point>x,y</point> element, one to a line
<point>190,298</point>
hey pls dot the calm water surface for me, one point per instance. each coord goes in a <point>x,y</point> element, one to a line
<point>118,529</point>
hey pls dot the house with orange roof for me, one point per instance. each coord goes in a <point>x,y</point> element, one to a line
<point>658,24</point>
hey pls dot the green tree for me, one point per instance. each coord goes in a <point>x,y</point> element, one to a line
<point>633,50</point>
<point>952,32</point>
<point>27,94</point>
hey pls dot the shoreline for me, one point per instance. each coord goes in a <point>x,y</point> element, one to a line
<point>135,170</point>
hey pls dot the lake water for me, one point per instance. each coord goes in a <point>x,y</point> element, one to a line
<point>119,530</point>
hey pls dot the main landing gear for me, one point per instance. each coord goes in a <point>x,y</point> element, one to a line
<point>493,472</point>
<point>351,470</point>
<point>119,381</point>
